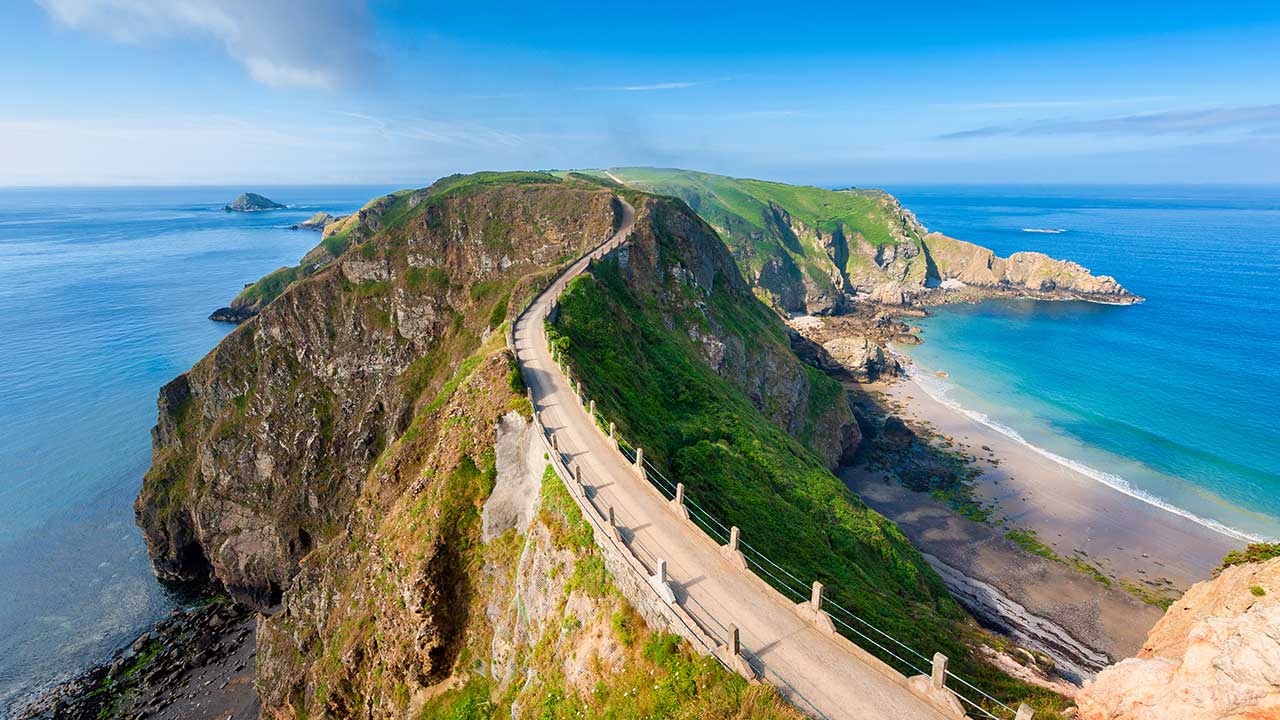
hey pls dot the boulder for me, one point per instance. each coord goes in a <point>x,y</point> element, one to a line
<point>1215,655</point>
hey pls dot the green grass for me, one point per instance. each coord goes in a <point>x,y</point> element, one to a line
<point>743,469</point>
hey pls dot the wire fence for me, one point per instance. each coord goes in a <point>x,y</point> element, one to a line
<point>786,582</point>
<point>852,625</point>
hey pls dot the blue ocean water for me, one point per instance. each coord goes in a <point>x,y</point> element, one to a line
<point>104,295</point>
<point>1176,400</point>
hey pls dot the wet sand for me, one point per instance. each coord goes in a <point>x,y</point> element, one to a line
<point>1122,536</point>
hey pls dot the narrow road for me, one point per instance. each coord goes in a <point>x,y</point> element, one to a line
<point>815,671</point>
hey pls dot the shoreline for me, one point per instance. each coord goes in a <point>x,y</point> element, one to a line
<point>1126,538</point>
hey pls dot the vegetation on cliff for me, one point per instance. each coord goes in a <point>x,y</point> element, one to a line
<point>335,454</point>
<point>634,330</point>
<point>813,250</point>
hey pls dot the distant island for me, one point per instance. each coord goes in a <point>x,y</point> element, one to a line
<point>318,221</point>
<point>252,202</point>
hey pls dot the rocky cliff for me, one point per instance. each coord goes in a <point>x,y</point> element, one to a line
<point>1215,655</point>
<point>358,455</point>
<point>677,262</point>
<point>251,202</point>
<point>262,449</point>
<point>813,251</point>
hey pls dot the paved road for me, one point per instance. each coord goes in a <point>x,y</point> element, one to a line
<point>814,670</point>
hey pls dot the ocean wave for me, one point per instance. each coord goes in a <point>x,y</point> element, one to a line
<point>940,391</point>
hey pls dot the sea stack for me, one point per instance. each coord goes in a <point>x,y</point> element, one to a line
<point>252,202</point>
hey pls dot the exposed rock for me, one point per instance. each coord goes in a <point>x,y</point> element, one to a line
<point>252,202</point>
<point>318,222</point>
<point>675,258</point>
<point>858,356</point>
<point>1215,655</point>
<point>1031,273</point>
<point>262,448</point>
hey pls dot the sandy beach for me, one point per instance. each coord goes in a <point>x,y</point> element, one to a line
<point>1123,536</point>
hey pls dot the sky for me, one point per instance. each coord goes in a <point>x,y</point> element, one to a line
<point>164,92</point>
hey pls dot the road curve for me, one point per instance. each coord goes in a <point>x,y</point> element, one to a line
<point>817,672</point>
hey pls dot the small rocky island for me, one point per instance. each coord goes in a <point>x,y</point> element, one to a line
<point>318,221</point>
<point>252,202</point>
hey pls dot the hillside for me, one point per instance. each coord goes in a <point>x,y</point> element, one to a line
<point>667,337</point>
<point>809,250</point>
<point>358,455</point>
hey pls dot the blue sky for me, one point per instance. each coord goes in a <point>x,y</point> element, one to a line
<point>344,91</point>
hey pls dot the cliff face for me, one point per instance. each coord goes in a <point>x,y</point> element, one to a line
<point>1215,655</point>
<point>813,251</point>
<point>679,262</point>
<point>262,449</point>
<point>1023,273</point>
<point>359,452</point>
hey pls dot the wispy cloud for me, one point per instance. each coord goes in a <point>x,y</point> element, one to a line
<point>1255,120</point>
<point>651,87</point>
<point>281,43</point>
<point>1049,104</point>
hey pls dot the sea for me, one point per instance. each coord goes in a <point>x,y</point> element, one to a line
<point>1175,401</point>
<point>104,297</point>
<point>105,294</point>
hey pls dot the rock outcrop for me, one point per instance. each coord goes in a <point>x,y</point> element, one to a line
<point>262,449</point>
<point>251,202</point>
<point>1030,274</point>
<point>318,222</point>
<point>674,258</point>
<point>813,251</point>
<point>1215,655</point>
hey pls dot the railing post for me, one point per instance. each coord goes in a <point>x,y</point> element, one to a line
<point>612,437</point>
<point>731,550</point>
<point>640,461</point>
<point>613,523</point>
<point>1024,712</point>
<point>662,570</point>
<point>735,643</point>
<point>554,445</point>
<point>677,503</point>
<point>577,474</point>
<point>592,410</point>
<point>815,598</point>
<point>939,677</point>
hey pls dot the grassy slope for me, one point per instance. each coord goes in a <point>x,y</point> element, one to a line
<point>736,207</point>
<point>395,210</point>
<point>747,472</point>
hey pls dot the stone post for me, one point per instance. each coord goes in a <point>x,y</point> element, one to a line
<point>734,535</point>
<point>592,410</point>
<point>613,523</point>
<point>815,598</point>
<point>679,494</point>
<point>554,445</point>
<point>612,437</point>
<point>1024,712</point>
<point>662,570</point>
<point>640,462</point>
<point>731,550</point>
<point>735,644</point>
<point>939,677</point>
<point>577,474</point>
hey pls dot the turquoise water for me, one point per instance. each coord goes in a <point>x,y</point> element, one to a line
<point>104,296</point>
<point>1173,400</point>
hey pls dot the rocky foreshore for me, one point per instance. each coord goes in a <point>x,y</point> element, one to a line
<point>197,663</point>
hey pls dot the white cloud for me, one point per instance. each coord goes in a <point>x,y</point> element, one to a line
<point>281,43</point>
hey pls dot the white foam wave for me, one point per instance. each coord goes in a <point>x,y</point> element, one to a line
<point>940,391</point>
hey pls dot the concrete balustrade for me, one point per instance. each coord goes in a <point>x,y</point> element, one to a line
<point>677,503</point>
<point>730,550</point>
